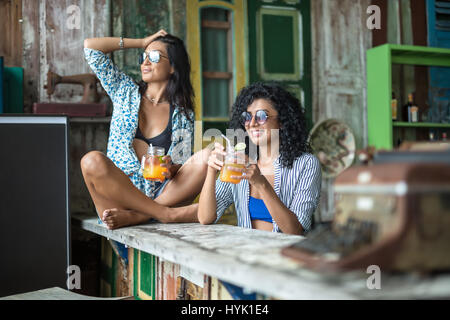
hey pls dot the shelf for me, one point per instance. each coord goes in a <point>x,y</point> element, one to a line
<point>90,119</point>
<point>381,129</point>
<point>417,55</point>
<point>421,125</point>
<point>216,119</point>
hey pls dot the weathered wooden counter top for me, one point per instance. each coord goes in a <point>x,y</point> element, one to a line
<point>252,259</point>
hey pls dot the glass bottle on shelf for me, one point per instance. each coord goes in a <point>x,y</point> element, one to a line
<point>411,110</point>
<point>431,135</point>
<point>414,112</point>
<point>407,109</point>
<point>394,109</point>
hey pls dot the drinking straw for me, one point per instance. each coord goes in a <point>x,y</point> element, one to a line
<point>228,142</point>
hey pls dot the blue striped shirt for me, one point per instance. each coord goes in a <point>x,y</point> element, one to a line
<point>298,189</point>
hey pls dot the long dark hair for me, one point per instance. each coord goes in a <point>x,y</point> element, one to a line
<point>179,88</point>
<point>293,132</point>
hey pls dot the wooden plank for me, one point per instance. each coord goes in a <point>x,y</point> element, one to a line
<point>130,270</point>
<point>31,53</point>
<point>196,292</point>
<point>193,291</point>
<point>167,285</point>
<point>216,24</point>
<point>217,75</point>
<point>11,26</point>
<point>218,290</point>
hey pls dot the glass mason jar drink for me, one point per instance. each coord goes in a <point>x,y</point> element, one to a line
<point>151,164</point>
<point>235,159</point>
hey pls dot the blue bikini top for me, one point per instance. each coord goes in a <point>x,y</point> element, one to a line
<point>258,210</point>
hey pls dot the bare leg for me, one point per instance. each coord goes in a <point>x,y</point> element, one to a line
<point>188,182</point>
<point>111,188</point>
<point>180,191</point>
<point>119,203</point>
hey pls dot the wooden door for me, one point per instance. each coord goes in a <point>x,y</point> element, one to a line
<point>280,46</point>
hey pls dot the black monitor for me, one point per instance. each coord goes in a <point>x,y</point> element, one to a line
<point>34,203</point>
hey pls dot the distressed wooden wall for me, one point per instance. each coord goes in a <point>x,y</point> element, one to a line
<point>340,39</point>
<point>49,44</point>
<point>11,28</point>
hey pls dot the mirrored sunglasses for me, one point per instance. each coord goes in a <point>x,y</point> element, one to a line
<point>261,117</point>
<point>153,55</point>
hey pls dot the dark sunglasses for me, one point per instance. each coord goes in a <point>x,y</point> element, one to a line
<point>261,117</point>
<point>153,55</point>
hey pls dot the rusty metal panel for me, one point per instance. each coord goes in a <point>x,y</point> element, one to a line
<point>340,40</point>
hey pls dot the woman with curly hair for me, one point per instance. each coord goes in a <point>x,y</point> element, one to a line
<point>281,191</point>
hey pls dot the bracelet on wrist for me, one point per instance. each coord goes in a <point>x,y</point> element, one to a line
<point>121,43</point>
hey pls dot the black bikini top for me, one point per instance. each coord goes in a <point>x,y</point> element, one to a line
<point>164,139</point>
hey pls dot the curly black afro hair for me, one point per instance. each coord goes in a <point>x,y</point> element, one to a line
<point>293,132</point>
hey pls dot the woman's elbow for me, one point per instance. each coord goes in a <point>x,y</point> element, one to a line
<point>87,43</point>
<point>204,220</point>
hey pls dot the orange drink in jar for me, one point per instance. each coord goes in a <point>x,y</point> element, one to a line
<point>151,164</point>
<point>235,158</point>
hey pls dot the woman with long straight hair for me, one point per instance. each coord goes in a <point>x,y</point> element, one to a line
<point>157,111</point>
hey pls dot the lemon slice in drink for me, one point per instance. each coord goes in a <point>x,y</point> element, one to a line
<point>240,146</point>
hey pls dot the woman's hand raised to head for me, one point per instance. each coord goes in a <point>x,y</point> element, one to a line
<point>216,159</point>
<point>147,40</point>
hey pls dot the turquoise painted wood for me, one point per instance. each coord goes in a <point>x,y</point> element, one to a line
<point>13,90</point>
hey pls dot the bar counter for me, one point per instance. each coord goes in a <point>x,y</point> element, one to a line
<point>252,259</point>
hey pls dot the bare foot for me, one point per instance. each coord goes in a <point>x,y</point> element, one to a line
<point>117,218</point>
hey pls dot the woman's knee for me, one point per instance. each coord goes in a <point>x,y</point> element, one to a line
<point>94,163</point>
<point>202,156</point>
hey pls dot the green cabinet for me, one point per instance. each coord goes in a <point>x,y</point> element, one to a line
<point>381,128</point>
